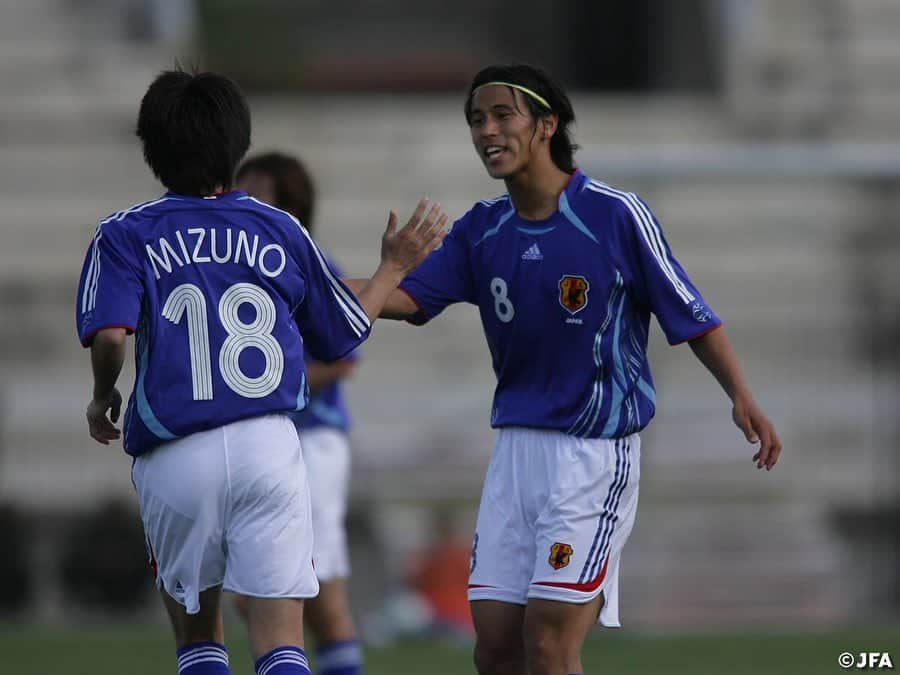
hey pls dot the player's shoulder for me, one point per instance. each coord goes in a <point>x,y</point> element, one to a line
<point>326,254</point>
<point>608,199</point>
<point>286,221</point>
<point>266,209</point>
<point>126,217</point>
<point>491,207</point>
<point>485,214</point>
<point>119,228</point>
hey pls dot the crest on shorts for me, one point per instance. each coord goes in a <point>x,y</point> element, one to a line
<point>573,292</point>
<point>560,555</point>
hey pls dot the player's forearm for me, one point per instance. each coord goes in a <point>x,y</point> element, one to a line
<point>714,351</point>
<point>107,357</point>
<point>398,304</point>
<point>376,292</point>
<point>320,375</point>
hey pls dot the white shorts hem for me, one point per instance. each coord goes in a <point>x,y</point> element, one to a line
<point>562,595</point>
<point>272,596</point>
<point>497,594</point>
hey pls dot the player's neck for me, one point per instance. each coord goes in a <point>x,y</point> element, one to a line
<point>218,191</point>
<point>535,191</point>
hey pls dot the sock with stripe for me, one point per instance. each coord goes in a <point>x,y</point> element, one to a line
<point>203,658</point>
<point>283,661</point>
<point>339,658</point>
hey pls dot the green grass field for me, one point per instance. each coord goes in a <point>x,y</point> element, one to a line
<point>131,650</point>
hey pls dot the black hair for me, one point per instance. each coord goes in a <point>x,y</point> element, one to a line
<point>194,128</point>
<point>562,149</point>
<point>295,191</point>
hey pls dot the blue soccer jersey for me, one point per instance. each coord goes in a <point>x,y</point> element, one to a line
<point>225,295</point>
<point>565,304</point>
<point>327,406</point>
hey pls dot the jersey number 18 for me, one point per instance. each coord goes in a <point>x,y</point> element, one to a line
<point>187,301</point>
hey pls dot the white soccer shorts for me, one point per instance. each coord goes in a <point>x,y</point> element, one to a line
<point>326,452</point>
<point>229,506</point>
<point>555,512</point>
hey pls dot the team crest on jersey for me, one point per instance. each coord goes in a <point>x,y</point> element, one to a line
<point>560,555</point>
<point>573,293</point>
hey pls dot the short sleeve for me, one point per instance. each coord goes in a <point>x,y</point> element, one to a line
<point>660,281</point>
<point>110,289</point>
<point>331,320</point>
<point>444,278</point>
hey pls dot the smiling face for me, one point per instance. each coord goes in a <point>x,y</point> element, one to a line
<point>504,133</point>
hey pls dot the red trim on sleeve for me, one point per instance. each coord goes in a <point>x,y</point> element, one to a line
<point>705,331</point>
<point>421,316</point>
<point>86,341</point>
<point>586,587</point>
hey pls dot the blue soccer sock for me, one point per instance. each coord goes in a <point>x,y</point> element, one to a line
<point>203,658</point>
<point>283,661</point>
<point>339,658</point>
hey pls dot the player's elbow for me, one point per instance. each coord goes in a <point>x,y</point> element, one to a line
<point>346,368</point>
<point>110,338</point>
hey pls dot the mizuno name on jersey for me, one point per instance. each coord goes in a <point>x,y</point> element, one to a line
<point>226,295</point>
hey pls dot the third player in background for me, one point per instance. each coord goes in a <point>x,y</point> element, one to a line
<point>284,182</point>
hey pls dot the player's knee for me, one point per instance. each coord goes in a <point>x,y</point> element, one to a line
<point>549,646</point>
<point>240,604</point>
<point>498,658</point>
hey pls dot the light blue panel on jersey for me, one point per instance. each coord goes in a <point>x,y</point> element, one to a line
<point>494,230</point>
<point>647,390</point>
<point>619,383</point>
<point>574,219</point>
<point>303,395</point>
<point>143,405</point>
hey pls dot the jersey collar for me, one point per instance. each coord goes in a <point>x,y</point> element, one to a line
<point>222,196</point>
<point>573,187</point>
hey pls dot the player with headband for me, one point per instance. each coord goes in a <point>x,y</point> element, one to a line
<point>565,271</point>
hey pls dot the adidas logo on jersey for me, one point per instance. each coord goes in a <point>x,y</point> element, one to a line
<point>533,253</point>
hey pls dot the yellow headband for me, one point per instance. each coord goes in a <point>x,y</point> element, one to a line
<point>525,90</point>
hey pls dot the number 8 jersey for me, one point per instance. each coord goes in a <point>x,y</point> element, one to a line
<point>565,304</point>
<point>224,294</point>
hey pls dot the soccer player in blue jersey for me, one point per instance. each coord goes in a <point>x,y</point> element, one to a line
<point>225,296</point>
<point>283,181</point>
<point>565,271</point>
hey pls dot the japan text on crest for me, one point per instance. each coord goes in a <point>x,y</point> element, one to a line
<point>560,555</point>
<point>573,292</point>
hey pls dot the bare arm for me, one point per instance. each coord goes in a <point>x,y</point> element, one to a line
<point>714,350</point>
<point>401,252</point>
<point>398,305</point>
<point>320,374</point>
<point>107,357</point>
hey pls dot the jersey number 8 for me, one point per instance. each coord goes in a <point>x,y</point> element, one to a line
<point>502,304</point>
<point>188,300</point>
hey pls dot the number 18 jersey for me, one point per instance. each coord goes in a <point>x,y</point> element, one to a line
<point>225,295</point>
<point>565,304</point>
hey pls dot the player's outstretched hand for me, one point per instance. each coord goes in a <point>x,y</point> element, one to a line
<point>758,429</point>
<point>405,249</point>
<point>101,426</point>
